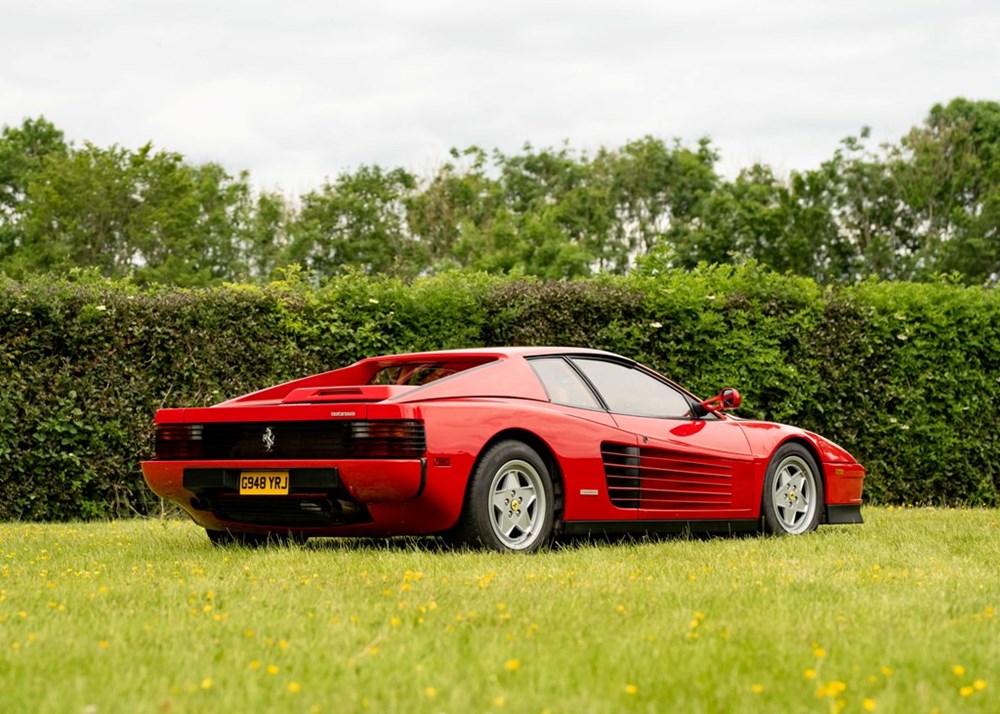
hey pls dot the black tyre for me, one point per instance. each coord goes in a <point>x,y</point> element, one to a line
<point>793,492</point>
<point>510,504</point>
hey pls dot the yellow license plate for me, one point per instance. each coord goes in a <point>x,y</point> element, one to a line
<point>264,483</point>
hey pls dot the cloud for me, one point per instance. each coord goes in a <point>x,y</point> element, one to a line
<point>298,91</point>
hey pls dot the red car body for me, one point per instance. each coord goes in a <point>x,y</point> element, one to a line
<point>391,445</point>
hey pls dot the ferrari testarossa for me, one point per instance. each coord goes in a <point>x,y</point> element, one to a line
<point>499,448</point>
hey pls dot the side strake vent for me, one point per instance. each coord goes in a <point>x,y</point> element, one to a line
<point>621,469</point>
<point>643,477</point>
<point>395,439</point>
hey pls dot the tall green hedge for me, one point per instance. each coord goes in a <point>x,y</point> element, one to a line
<point>906,376</point>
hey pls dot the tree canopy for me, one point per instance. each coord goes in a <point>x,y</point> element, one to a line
<point>913,210</point>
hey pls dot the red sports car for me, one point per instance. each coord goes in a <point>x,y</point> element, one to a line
<point>502,448</point>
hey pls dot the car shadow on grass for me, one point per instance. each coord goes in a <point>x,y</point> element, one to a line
<point>439,544</point>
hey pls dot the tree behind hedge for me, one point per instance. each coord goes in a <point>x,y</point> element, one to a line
<point>926,205</point>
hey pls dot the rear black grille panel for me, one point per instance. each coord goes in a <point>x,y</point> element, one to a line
<point>397,439</point>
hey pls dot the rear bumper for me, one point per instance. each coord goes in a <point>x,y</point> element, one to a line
<point>323,496</point>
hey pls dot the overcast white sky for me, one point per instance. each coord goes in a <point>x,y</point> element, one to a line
<point>299,90</point>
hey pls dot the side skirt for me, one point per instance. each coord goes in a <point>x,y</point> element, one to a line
<point>614,527</point>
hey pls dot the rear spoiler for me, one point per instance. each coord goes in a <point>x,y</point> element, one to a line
<point>361,393</point>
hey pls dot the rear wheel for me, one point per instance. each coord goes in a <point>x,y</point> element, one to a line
<point>793,491</point>
<point>510,502</point>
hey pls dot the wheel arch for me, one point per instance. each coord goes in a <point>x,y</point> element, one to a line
<point>544,451</point>
<point>820,474</point>
<point>811,448</point>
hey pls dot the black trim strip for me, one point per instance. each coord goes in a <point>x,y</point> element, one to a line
<point>423,478</point>
<point>703,526</point>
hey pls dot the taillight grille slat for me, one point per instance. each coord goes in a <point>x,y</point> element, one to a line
<point>179,441</point>
<point>395,439</point>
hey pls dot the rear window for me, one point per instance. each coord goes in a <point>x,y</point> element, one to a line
<point>417,374</point>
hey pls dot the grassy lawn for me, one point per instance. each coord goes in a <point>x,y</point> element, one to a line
<point>897,615</point>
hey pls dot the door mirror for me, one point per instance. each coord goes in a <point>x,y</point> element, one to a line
<point>728,398</point>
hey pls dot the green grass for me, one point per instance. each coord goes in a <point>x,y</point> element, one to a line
<point>899,614</point>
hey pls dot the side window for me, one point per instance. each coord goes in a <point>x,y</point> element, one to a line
<point>631,391</point>
<point>562,384</point>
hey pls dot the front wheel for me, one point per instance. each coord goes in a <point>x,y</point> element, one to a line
<point>510,504</point>
<point>793,491</point>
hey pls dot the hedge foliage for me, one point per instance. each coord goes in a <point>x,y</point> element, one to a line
<point>906,376</point>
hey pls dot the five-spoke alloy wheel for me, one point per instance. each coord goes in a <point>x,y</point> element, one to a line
<point>793,491</point>
<point>509,505</point>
